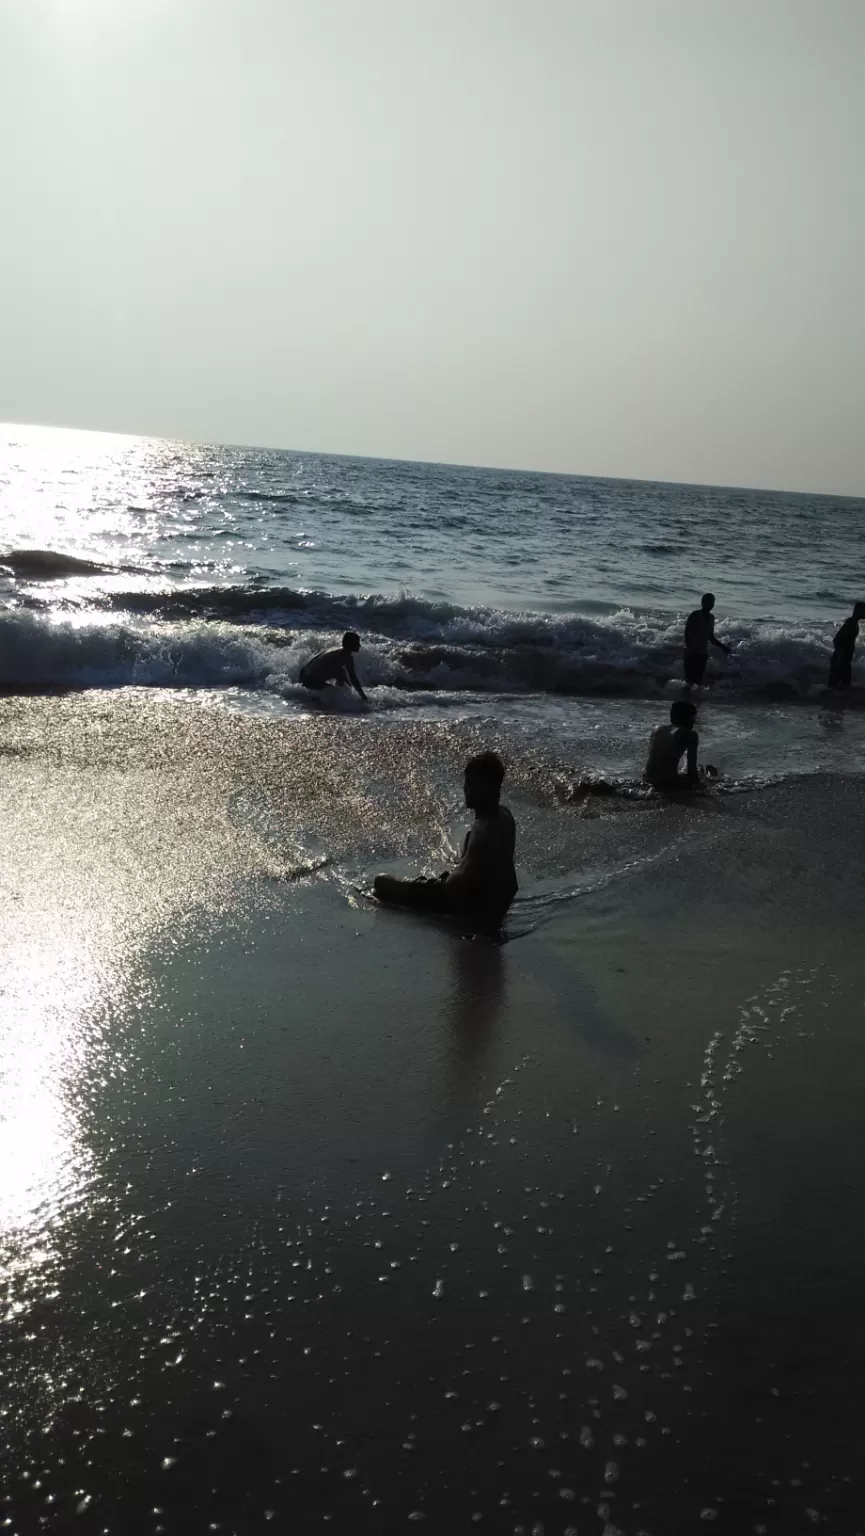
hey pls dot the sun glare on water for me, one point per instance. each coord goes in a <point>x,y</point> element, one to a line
<point>48,1007</point>
<point>64,489</point>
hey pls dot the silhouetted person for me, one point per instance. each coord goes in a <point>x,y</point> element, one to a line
<point>841,665</point>
<point>668,744</point>
<point>484,883</point>
<point>699,635</point>
<point>336,666</point>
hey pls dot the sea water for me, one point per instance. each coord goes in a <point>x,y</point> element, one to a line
<point>312,1213</point>
<point>555,602</point>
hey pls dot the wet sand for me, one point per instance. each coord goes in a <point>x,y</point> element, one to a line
<point>316,1216</point>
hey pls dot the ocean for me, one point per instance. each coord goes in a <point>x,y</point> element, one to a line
<point>556,601</point>
<point>321,1216</point>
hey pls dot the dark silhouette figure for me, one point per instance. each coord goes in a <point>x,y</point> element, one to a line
<point>668,744</point>
<point>841,665</point>
<point>336,666</point>
<point>699,635</point>
<point>484,883</point>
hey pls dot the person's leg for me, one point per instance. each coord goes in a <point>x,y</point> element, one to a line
<point>667,784</point>
<point>695,666</point>
<point>840,672</point>
<point>427,895</point>
<point>423,895</point>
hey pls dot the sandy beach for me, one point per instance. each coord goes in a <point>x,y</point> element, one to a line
<point>319,1216</point>
<point>432,469</point>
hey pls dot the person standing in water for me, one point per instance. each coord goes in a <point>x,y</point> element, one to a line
<point>699,635</point>
<point>484,883</point>
<point>841,665</point>
<point>336,666</point>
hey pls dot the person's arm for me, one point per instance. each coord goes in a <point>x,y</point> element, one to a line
<point>468,881</point>
<point>715,641</point>
<point>693,743</point>
<point>352,677</point>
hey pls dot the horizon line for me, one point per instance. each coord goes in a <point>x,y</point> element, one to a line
<point>372,458</point>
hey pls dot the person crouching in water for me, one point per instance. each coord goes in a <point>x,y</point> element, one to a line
<point>336,666</point>
<point>668,744</point>
<point>484,883</point>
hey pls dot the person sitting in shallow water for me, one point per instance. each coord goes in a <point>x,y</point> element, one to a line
<point>668,744</point>
<point>336,666</point>
<point>484,883</point>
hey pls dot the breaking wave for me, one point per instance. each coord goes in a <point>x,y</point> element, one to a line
<point>260,636</point>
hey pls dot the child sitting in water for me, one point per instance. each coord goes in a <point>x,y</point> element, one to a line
<point>484,883</point>
<point>668,744</point>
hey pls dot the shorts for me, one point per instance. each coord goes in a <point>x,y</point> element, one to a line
<point>695,667</point>
<point>305,682</point>
<point>429,895</point>
<point>424,895</point>
<point>840,671</point>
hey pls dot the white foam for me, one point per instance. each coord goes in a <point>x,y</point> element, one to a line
<point>407,645</point>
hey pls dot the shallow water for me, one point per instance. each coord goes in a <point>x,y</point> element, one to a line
<point>296,1189</point>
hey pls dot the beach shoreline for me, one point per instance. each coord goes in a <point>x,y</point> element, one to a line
<point>325,1211</point>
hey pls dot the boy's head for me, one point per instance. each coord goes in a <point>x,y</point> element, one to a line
<point>350,641</point>
<point>483,780</point>
<point>859,611</point>
<point>683,713</point>
<point>707,602</point>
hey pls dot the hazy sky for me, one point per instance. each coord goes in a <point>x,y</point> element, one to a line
<point>619,237</point>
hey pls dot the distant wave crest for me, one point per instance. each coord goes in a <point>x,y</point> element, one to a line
<point>48,564</point>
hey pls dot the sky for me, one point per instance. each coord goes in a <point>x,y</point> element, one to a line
<point>613,237</point>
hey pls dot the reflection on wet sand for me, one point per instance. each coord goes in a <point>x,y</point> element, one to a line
<point>478,998</point>
<point>50,985</point>
<point>351,1221</point>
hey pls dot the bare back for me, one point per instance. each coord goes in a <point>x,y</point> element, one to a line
<point>326,667</point>
<point>667,746</point>
<point>485,877</point>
